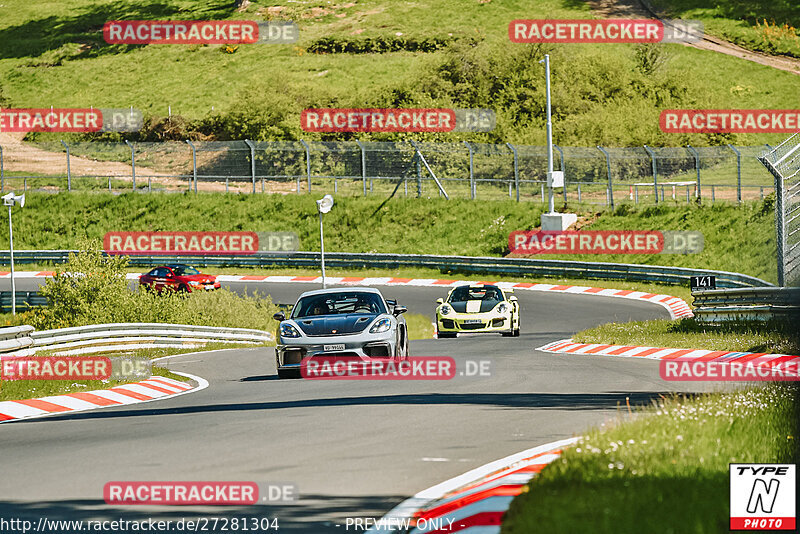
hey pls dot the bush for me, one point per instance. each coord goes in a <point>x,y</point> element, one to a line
<point>92,289</point>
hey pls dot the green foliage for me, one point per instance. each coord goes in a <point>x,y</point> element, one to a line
<point>665,470</point>
<point>377,45</point>
<point>92,289</point>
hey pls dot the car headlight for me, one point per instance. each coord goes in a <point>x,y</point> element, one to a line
<point>288,330</point>
<point>444,310</point>
<point>381,325</point>
<point>502,308</point>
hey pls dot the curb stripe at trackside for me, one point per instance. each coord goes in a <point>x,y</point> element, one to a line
<point>676,307</point>
<point>147,390</point>
<point>567,346</point>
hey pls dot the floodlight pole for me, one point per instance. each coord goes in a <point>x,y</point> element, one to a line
<point>550,201</point>
<point>11,249</point>
<point>322,249</point>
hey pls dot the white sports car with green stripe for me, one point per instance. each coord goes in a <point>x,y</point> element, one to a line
<point>477,308</point>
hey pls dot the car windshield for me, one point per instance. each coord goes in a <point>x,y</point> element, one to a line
<point>184,270</point>
<point>465,293</point>
<point>339,303</point>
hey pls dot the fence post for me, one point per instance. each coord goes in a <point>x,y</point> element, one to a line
<point>133,163</point>
<point>655,172</point>
<point>2,174</point>
<point>252,163</point>
<point>419,175</point>
<point>194,166</point>
<point>610,193</point>
<point>696,166</point>
<point>69,175</point>
<point>516,168</point>
<point>780,227</point>
<point>308,164</point>
<point>421,158</point>
<point>363,166</point>
<point>561,159</point>
<point>738,172</point>
<point>471,172</point>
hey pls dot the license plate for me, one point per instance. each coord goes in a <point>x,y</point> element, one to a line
<point>209,286</point>
<point>472,321</point>
<point>329,348</point>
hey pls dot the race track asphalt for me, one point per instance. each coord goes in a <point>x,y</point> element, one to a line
<point>353,448</point>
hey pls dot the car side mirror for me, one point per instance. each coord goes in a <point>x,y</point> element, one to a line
<point>439,301</point>
<point>399,309</point>
<point>280,316</point>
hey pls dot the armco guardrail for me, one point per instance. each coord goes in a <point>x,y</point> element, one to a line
<point>131,336</point>
<point>751,304</point>
<point>15,338</point>
<point>464,264</point>
<point>24,299</point>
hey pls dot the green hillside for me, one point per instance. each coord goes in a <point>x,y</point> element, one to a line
<point>53,53</point>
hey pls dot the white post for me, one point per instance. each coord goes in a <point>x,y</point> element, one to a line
<point>11,249</point>
<point>550,203</point>
<point>322,249</point>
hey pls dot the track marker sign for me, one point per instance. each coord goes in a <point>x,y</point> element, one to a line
<point>763,496</point>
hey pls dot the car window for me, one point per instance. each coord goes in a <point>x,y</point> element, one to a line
<point>159,272</point>
<point>465,293</point>
<point>184,270</point>
<point>339,303</point>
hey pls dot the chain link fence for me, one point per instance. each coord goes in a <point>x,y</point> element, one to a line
<point>783,163</point>
<point>593,175</point>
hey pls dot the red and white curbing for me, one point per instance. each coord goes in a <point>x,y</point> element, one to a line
<point>676,307</point>
<point>567,346</point>
<point>472,503</point>
<point>154,388</point>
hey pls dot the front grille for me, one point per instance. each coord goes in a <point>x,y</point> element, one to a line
<point>293,356</point>
<point>498,322</point>
<point>377,351</point>
<point>472,326</point>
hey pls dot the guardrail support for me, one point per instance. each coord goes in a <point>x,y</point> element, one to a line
<point>363,166</point>
<point>69,174</point>
<point>610,190</point>
<point>435,179</point>
<point>516,168</point>
<point>471,172</point>
<point>561,166</point>
<point>133,164</point>
<point>308,165</point>
<point>194,166</point>
<point>696,167</point>
<point>252,163</point>
<point>738,172</point>
<point>655,172</point>
<point>2,174</point>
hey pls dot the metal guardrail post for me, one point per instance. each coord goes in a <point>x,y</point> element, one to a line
<point>516,168</point>
<point>780,220</point>
<point>308,165</point>
<point>696,167</point>
<point>363,166</point>
<point>194,166</point>
<point>655,172</point>
<point>69,174</point>
<point>418,166</point>
<point>252,163</point>
<point>561,166</point>
<point>2,174</point>
<point>133,163</point>
<point>610,191</point>
<point>471,172</point>
<point>738,172</point>
<point>435,179</point>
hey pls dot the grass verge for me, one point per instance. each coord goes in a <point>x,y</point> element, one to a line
<point>666,471</point>
<point>775,338</point>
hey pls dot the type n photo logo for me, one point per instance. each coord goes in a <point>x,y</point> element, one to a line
<point>763,496</point>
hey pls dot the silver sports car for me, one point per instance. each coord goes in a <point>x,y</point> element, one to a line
<point>350,322</point>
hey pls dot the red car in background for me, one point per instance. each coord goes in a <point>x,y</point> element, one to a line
<point>178,277</point>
